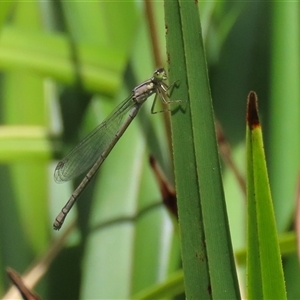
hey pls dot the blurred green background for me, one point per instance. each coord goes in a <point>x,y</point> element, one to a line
<point>64,66</point>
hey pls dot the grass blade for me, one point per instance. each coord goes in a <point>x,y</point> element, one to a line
<point>265,273</point>
<point>206,246</point>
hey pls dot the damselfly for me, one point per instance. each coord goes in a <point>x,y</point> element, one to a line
<point>94,149</point>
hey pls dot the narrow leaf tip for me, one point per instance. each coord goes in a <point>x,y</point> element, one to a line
<point>252,111</point>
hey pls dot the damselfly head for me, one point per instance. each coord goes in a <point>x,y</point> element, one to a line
<point>160,74</point>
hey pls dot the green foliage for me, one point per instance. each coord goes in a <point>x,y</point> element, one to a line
<point>206,247</point>
<point>64,66</point>
<point>265,278</point>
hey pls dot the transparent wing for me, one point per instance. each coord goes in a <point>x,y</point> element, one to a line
<point>85,154</point>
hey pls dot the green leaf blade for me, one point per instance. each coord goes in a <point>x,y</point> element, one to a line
<point>265,273</point>
<point>208,262</point>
